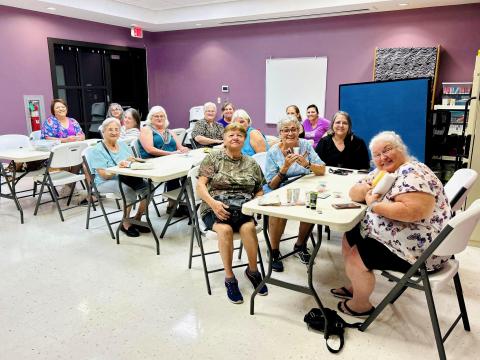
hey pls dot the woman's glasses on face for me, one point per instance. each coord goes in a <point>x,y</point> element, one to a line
<point>386,151</point>
<point>291,130</point>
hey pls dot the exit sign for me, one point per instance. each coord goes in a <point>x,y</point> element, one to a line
<point>136,32</point>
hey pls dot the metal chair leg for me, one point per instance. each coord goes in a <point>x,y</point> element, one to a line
<point>461,301</point>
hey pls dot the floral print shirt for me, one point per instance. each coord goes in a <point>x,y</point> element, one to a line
<point>51,127</point>
<point>408,240</point>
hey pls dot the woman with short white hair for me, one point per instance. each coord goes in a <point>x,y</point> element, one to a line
<point>255,141</point>
<point>207,132</point>
<point>108,153</point>
<point>398,226</point>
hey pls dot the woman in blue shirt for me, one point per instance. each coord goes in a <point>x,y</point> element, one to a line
<point>108,153</point>
<point>255,141</point>
<point>282,163</point>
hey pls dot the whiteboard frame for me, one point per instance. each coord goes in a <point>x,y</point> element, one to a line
<point>294,74</point>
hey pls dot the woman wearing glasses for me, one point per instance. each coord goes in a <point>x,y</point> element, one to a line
<point>397,227</point>
<point>341,148</point>
<point>289,158</point>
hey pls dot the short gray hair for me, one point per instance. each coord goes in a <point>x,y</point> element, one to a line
<point>240,113</point>
<point>391,137</point>
<point>208,104</point>
<point>108,121</point>
<point>288,119</point>
<point>154,110</point>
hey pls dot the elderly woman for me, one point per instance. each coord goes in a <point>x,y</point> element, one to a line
<point>341,148</point>
<point>207,132</point>
<point>225,173</point>
<point>255,141</point>
<point>315,127</point>
<point>111,152</point>
<point>116,111</point>
<point>282,163</point>
<point>58,126</point>
<point>293,110</point>
<point>131,124</point>
<point>397,227</point>
<point>227,111</point>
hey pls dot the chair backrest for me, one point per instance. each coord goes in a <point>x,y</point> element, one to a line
<point>261,159</point>
<point>128,140</point>
<point>100,130</point>
<point>180,133</point>
<point>68,154</point>
<point>35,135</point>
<point>14,141</point>
<point>196,113</point>
<point>272,140</point>
<point>459,186</point>
<point>193,176</point>
<point>463,225</point>
<point>135,145</point>
<point>86,154</point>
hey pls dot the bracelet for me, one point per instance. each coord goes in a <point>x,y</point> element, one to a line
<point>309,165</point>
<point>281,176</point>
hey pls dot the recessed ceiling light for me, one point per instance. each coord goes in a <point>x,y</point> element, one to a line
<point>198,24</point>
<point>403,4</point>
<point>51,8</point>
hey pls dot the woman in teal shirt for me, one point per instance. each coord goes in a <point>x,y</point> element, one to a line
<point>255,141</point>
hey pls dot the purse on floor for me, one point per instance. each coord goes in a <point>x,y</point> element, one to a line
<point>335,325</point>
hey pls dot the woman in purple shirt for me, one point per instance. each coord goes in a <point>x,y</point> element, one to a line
<point>60,127</point>
<point>314,125</point>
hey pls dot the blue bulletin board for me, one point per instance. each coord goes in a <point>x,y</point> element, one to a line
<point>396,105</point>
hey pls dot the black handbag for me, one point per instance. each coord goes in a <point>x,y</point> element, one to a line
<point>335,325</point>
<point>234,203</point>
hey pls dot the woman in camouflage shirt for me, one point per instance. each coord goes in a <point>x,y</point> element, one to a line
<point>225,173</point>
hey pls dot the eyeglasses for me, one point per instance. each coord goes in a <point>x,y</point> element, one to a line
<point>292,130</point>
<point>386,151</point>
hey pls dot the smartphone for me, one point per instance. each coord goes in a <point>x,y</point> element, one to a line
<point>139,160</point>
<point>346,206</point>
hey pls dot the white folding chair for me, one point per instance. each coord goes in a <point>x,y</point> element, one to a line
<point>261,159</point>
<point>452,240</point>
<point>35,135</point>
<point>200,232</point>
<point>99,196</point>
<point>459,186</point>
<point>272,140</point>
<point>180,133</point>
<point>135,145</point>
<point>62,156</point>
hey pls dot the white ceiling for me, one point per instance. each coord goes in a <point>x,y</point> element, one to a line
<point>168,15</point>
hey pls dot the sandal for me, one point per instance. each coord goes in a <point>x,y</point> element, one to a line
<point>344,294</point>
<point>347,311</point>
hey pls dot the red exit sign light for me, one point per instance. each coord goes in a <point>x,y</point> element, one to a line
<point>136,32</point>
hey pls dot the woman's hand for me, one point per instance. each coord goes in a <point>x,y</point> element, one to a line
<point>302,160</point>
<point>124,164</point>
<point>183,150</point>
<point>289,160</point>
<point>220,211</point>
<point>371,198</point>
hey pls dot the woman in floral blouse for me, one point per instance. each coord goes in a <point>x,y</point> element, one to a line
<point>60,127</point>
<point>397,227</point>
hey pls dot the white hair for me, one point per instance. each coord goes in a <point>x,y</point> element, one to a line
<point>154,110</point>
<point>209,104</point>
<point>108,121</point>
<point>390,137</point>
<point>288,119</point>
<point>240,113</point>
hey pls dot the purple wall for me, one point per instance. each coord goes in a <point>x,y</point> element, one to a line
<point>24,61</point>
<point>190,66</point>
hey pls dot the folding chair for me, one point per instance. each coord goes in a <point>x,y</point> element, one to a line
<point>180,133</point>
<point>93,191</point>
<point>35,135</point>
<point>453,239</point>
<point>135,145</point>
<point>62,156</point>
<point>199,231</point>
<point>459,186</point>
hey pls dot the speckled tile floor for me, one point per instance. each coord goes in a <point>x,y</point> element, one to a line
<point>71,293</point>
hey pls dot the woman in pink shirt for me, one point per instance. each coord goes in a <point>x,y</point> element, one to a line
<point>314,125</point>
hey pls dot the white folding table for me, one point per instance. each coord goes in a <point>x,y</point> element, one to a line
<point>165,168</point>
<point>339,220</point>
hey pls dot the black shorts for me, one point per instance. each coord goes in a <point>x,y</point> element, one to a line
<point>374,254</point>
<point>236,223</point>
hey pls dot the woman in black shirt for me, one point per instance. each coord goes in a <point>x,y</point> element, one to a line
<point>340,147</point>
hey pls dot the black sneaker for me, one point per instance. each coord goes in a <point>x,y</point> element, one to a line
<point>131,231</point>
<point>277,265</point>
<point>303,254</point>
<point>233,292</point>
<point>256,278</point>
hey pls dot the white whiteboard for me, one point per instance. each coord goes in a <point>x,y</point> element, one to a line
<point>294,81</point>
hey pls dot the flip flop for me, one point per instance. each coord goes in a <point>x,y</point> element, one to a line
<point>345,294</point>
<point>347,311</point>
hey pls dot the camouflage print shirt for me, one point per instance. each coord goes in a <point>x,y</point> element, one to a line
<point>230,177</point>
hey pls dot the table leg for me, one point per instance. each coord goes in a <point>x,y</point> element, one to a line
<point>11,186</point>
<point>177,201</point>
